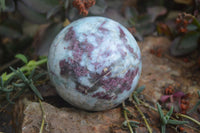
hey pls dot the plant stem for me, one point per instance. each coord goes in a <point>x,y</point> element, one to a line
<point>126,118</point>
<point>28,67</point>
<point>163,128</point>
<point>144,118</point>
<point>178,114</point>
<point>42,61</point>
<point>43,117</point>
<point>188,117</point>
<point>148,106</point>
<point>196,22</point>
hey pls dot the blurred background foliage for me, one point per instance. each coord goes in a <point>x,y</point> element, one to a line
<point>29,26</point>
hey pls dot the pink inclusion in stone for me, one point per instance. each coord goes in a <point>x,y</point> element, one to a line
<point>112,83</point>
<point>102,29</point>
<point>103,95</point>
<point>72,68</point>
<point>124,40</point>
<point>77,47</point>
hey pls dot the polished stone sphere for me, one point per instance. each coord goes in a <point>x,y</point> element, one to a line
<point>94,63</point>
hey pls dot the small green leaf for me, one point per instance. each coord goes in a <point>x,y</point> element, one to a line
<point>22,58</point>
<point>133,124</point>
<point>19,73</point>
<point>35,90</point>
<point>125,109</point>
<point>22,76</point>
<point>189,41</point>
<point>135,98</point>
<point>6,89</point>
<point>6,82</point>
<point>192,27</point>
<point>30,14</point>
<point>11,68</point>
<point>4,76</point>
<point>185,45</point>
<point>175,122</point>
<point>32,73</point>
<point>125,124</point>
<point>41,6</point>
<point>18,85</point>
<point>168,115</point>
<point>140,89</point>
<point>31,63</point>
<point>38,76</point>
<point>99,7</point>
<point>160,111</point>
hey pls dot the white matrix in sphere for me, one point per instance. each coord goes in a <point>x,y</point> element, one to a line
<point>94,63</point>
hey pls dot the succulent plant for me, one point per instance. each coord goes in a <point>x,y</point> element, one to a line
<point>94,63</point>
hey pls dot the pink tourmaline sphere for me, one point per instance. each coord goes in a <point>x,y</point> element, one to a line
<point>94,63</point>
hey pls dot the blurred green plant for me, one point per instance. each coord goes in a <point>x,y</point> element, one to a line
<point>21,79</point>
<point>127,122</point>
<point>196,105</point>
<point>6,88</point>
<point>130,124</point>
<point>165,119</point>
<point>27,68</point>
<point>2,5</point>
<point>136,103</point>
<point>22,58</point>
<point>7,6</point>
<point>137,92</point>
<point>27,82</point>
<point>187,35</point>
<point>20,22</point>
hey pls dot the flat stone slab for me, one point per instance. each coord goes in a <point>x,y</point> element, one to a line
<point>69,120</point>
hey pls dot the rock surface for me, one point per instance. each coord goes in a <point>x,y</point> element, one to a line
<point>157,73</point>
<point>69,120</point>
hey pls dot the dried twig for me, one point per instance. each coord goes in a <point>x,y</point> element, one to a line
<point>178,114</point>
<point>126,117</point>
<point>188,117</point>
<point>144,118</point>
<point>137,102</point>
<point>43,117</point>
